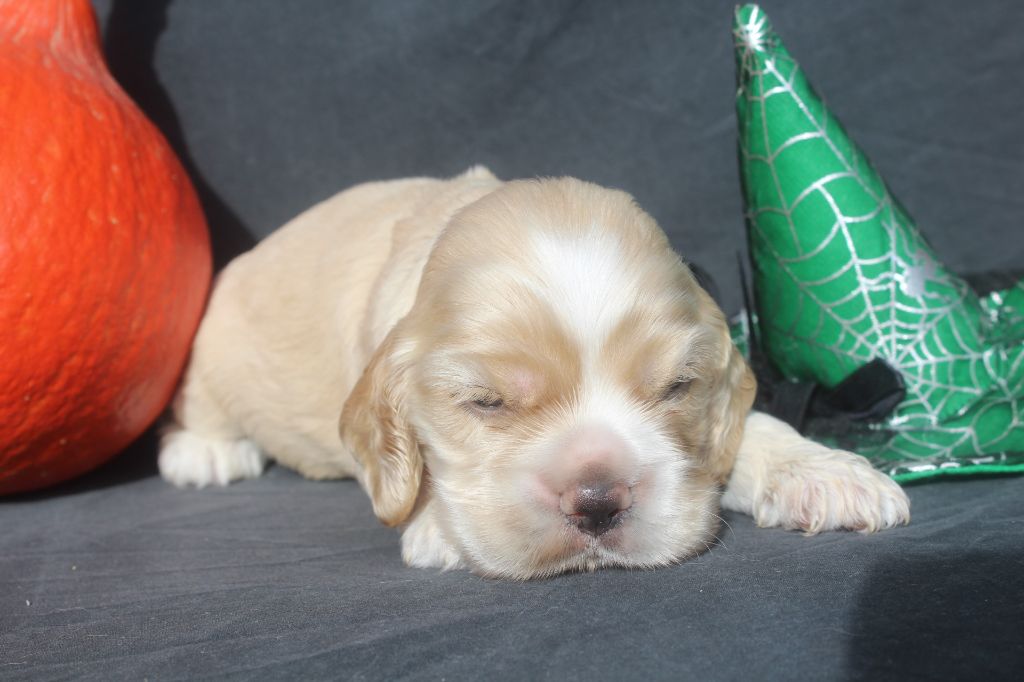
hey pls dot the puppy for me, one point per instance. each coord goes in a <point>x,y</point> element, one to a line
<point>528,379</point>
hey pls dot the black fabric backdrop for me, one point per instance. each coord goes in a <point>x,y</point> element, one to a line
<point>277,105</point>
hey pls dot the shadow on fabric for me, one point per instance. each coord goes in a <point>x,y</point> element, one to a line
<point>132,31</point>
<point>941,618</point>
<point>134,463</point>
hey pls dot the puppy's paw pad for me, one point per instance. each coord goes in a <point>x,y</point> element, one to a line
<point>187,459</point>
<point>838,490</point>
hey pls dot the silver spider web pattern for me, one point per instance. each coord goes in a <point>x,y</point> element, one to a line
<point>842,276</point>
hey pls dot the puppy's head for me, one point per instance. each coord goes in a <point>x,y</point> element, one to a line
<point>562,389</point>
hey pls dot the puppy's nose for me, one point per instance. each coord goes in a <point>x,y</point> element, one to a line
<point>596,507</point>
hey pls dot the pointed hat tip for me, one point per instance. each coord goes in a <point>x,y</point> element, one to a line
<point>751,28</point>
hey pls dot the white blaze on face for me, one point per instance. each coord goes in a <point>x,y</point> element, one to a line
<point>583,280</point>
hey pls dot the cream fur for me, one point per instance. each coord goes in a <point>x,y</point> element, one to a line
<point>487,346</point>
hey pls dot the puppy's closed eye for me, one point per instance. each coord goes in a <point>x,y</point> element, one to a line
<point>677,389</point>
<point>487,404</point>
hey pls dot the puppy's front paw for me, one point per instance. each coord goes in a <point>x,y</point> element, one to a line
<point>830,490</point>
<point>187,459</point>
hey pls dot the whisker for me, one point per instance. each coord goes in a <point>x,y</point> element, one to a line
<point>724,522</point>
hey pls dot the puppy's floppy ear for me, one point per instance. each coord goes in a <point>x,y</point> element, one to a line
<point>730,401</point>
<point>375,430</point>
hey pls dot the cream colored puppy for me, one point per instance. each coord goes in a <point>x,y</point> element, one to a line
<point>527,377</point>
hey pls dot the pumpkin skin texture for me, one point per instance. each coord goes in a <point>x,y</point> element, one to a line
<point>104,253</point>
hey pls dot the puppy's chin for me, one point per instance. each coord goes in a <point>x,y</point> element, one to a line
<point>506,532</point>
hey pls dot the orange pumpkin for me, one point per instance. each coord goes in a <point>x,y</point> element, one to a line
<point>104,253</point>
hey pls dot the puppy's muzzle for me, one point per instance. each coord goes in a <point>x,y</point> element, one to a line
<point>595,507</point>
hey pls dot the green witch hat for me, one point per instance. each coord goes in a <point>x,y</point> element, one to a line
<point>842,276</point>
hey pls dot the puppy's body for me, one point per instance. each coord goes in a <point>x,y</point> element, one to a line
<point>292,324</point>
<point>527,376</point>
